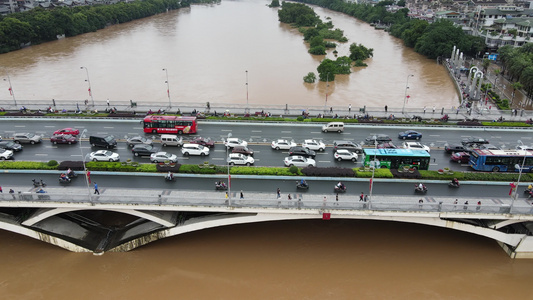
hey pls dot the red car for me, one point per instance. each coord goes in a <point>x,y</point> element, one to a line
<point>461,157</point>
<point>204,142</point>
<point>71,131</point>
<point>63,139</point>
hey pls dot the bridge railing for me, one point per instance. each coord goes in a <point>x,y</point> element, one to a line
<point>211,199</point>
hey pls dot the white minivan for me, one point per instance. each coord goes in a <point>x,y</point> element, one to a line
<point>333,126</point>
<point>194,149</point>
<point>171,140</point>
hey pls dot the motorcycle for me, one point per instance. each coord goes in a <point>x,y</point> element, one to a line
<point>529,192</point>
<point>169,177</point>
<point>38,183</point>
<point>421,190</point>
<point>72,175</point>
<point>340,189</point>
<point>454,184</point>
<point>220,186</point>
<point>64,179</point>
<point>299,185</point>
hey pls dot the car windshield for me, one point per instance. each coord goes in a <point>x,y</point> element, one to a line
<point>109,138</point>
<point>107,153</point>
<point>30,135</point>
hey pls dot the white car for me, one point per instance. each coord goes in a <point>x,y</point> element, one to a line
<point>233,142</point>
<point>314,145</point>
<point>104,155</point>
<point>5,154</point>
<point>162,157</point>
<point>194,149</point>
<point>415,145</point>
<point>343,154</point>
<point>299,161</point>
<point>524,147</point>
<point>282,144</point>
<point>240,159</point>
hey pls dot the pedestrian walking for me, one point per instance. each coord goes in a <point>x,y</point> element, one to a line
<point>424,110</point>
<point>442,111</point>
<point>349,108</point>
<point>478,205</point>
<point>12,192</point>
<point>455,204</point>
<point>337,199</point>
<point>227,196</point>
<point>325,200</point>
<point>96,191</point>
<point>107,102</point>
<point>242,195</point>
<point>362,197</point>
<point>1,190</point>
<point>433,108</point>
<point>420,202</point>
<point>331,109</point>
<point>289,197</point>
<point>279,193</point>
<point>466,205</point>
<point>386,108</point>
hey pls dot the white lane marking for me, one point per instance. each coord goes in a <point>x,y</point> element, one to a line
<point>48,126</point>
<point>324,161</point>
<point>256,136</point>
<point>286,131</point>
<point>316,132</point>
<point>137,128</point>
<point>226,130</point>
<point>41,154</point>
<point>217,158</point>
<point>19,126</point>
<point>257,130</point>
<point>109,127</point>
<point>434,135</point>
<point>346,133</point>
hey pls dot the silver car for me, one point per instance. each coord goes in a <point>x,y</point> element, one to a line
<point>27,138</point>
<point>136,140</point>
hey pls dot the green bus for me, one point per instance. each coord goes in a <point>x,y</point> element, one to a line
<point>396,158</point>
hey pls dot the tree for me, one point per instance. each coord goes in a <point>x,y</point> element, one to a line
<point>516,86</point>
<point>486,64</point>
<point>360,52</point>
<point>326,70</point>
<point>274,3</point>
<point>310,77</point>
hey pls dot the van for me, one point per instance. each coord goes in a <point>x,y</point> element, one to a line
<point>171,140</point>
<point>333,126</point>
<point>107,141</point>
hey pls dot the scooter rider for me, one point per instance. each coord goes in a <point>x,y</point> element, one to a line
<point>455,182</point>
<point>63,176</point>
<point>421,186</point>
<point>170,176</point>
<point>303,182</point>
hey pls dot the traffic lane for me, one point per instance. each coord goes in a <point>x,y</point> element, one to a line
<point>324,187</point>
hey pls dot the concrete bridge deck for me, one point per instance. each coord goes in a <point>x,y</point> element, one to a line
<point>61,216</point>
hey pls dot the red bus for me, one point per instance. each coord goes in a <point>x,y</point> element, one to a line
<point>169,124</point>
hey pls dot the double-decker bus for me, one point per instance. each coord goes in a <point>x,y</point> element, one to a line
<point>396,158</point>
<point>169,124</point>
<point>501,160</point>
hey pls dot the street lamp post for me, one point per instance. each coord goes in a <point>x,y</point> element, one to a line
<point>518,182</point>
<point>406,88</point>
<point>373,171</point>
<point>168,89</point>
<point>247,107</point>
<point>229,178</point>
<point>11,89</point>
<point>82,135</point>
<point>89,82</point>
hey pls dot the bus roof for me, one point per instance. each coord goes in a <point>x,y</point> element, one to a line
<point>503,152</point>
<point>159,117</point>
<point>396,152</point>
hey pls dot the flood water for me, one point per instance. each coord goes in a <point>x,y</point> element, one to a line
<point>207,50</point>
<point>276,260</point>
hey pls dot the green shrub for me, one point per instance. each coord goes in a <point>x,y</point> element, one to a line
<point>52,163</point>
<point>379,173</point>
<point>300,118</point>
<point>263,171</point>
<point>506,124</point>
<point>26,165</point>
<point>293,169</point>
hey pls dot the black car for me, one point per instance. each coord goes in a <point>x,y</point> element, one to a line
<point>10,145</point>
<point>144,150</point>
<point>474,140</point>
<point>302,151</point>
<point>243,150</point>
<point>452,148</point>
<point>379,138</point>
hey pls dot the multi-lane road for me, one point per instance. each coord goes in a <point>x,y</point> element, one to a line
<point>258,135</point>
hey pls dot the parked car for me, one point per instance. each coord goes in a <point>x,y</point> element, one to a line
<point>452,148</point>
<point>282,144</point>
<point>519,147</point>
<point>163,157</point>
<point>10,145</point>
<point>474,140</point>
<point>415,145</point>
<point>410,134</point>
<point>5,154</point>
<point>136,140</point>
<point>26,138</point>
<point>143,150</point>
<point>348,145</point>
<point>314,145</point>
<point>240,159</point>
<point>243,150</point>
<point>194,149</point>
<point>299,161</point>
<point>379,138</point>
<point>69,130</point>
<point>104,155</point>
<point>204,142</point>
<point>63,139</point>
<point>461,157</point>
<point>233,142</point>
<point>301,151</point>
<point>343,154</point>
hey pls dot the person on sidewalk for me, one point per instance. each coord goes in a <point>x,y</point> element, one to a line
<point>386,108</point>
<point>242,195</point>
<point>96,191</point>
<point>362,197</point>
